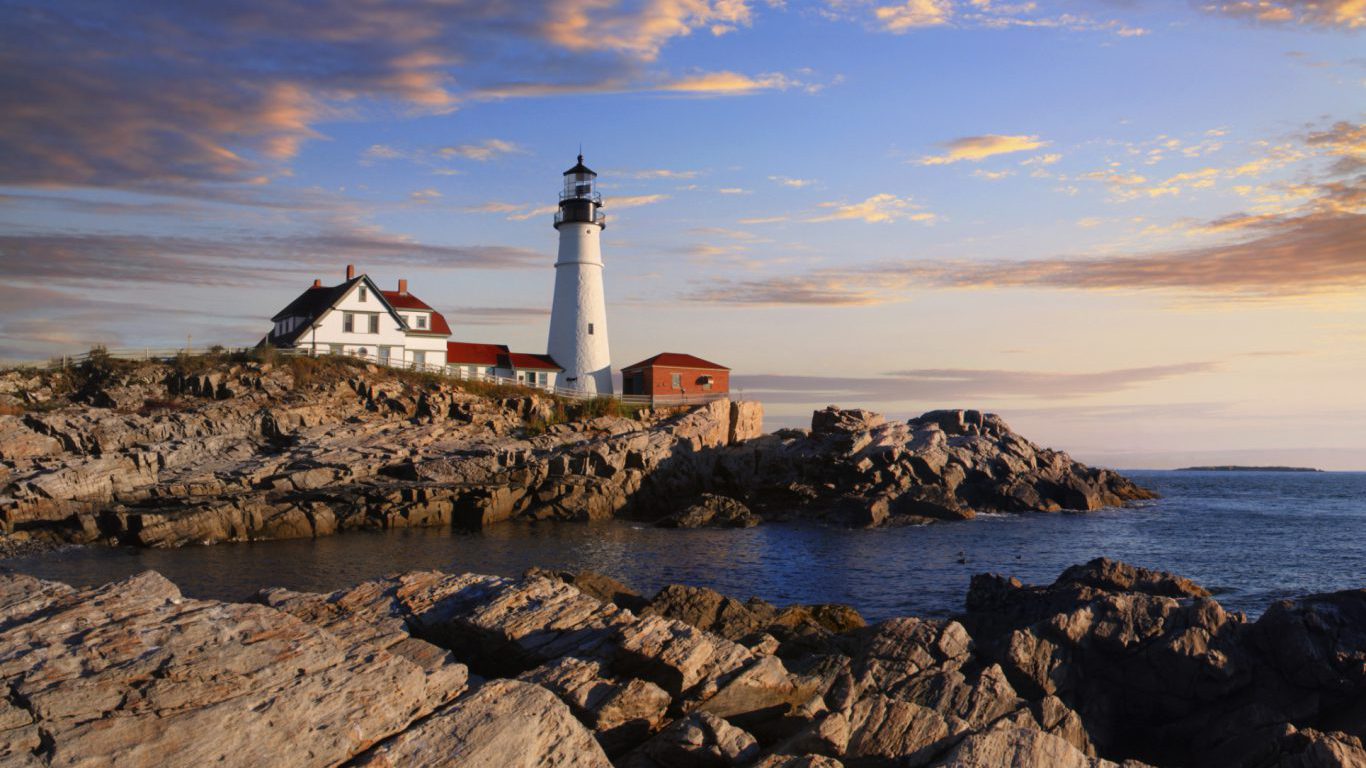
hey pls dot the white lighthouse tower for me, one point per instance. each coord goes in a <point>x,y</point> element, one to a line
<point>578,317</point>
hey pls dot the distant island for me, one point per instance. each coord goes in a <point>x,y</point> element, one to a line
<point>1235,468</point>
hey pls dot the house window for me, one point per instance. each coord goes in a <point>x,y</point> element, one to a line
<point>335,349</point>
<point>362,293</point>
<point>348,322</point>
<point>490,372</point>
<point>590,329</point>
<point>543,379</point>
<point>421,321</point>
<point>676,381</point>
<point>419,358</point>
<point>374,323</point>
<point>706,385</point>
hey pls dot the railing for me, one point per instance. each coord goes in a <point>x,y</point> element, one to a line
<point>457,373</point>
<point>574,194</point>
<point>598,217</point>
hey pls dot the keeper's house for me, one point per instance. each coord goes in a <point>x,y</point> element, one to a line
<point>357,318</point>
<point>494,361</point>
<point>675,375</point>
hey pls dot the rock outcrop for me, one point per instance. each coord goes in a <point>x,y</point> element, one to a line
<point>1109,666</point>
<point>151,455</point>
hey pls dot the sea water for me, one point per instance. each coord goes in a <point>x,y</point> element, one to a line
<point>1251,537</point>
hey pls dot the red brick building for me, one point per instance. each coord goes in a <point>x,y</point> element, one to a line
<point>673,374</point>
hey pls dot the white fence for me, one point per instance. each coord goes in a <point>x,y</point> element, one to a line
<point>450,372</point>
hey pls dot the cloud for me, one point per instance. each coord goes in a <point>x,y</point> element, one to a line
<point>914,14</point>
<point>910,15</point>
<point>592,25</point>
<point>701,84</point>
<point>790,182</point>
<point>107,258</point>
<point>483,151</point>
<point>993,175</point>
<point>827,289</point>
<point>633,201</point>
<point>730,83</point>
<point>978,148</point>
<point>462,316</point>
<point>655,173</point>
<point>1346,141</point>
<point>146,92</point>
<point>424,195</point>
<point>878,209</point>
<point>1048,159</point>
<point>1342,14</point>
<point>939,385</point>
<point>1309,251</point>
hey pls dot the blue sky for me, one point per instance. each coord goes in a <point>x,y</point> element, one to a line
<point>1133,228</point>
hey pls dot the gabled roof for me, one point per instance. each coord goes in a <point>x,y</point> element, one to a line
<point>313,301</point>
<point>439,326</point>
<point>676,360</point>
<point>466,353</point>
<point>529,362</point>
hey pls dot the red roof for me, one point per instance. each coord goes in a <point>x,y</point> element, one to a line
<point>527,361</point>
<point>675,360</point>
<point>463,352</point>
<point>405,300</point>
<point>439,326</point>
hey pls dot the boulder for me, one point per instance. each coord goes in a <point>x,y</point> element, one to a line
<point>712,510</point>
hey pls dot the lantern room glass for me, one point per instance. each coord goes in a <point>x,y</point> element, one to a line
<point>579,184</point>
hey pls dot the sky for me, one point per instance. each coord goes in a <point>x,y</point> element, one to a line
<point>1136,229</point>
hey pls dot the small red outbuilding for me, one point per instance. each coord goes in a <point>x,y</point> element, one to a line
<point>673,374</point>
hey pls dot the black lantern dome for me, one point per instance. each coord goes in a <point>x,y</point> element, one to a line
<point>579,201</point>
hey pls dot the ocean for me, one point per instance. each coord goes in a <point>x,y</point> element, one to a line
<point>1251,537</point>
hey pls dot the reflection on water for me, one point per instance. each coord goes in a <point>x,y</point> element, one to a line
<point>1254,537</point>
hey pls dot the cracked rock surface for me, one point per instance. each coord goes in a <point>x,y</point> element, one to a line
<point>1110,665</point>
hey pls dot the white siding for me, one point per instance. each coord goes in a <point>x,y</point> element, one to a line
<point>330,327</point>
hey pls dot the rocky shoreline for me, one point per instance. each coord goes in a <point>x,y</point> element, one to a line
<point>232,449</point>
<point>1110,664</point>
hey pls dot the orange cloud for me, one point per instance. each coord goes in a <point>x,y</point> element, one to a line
<point>978,148</point>
<point>1345,14</point>
<point>878,209</point>
<point>914,14</point>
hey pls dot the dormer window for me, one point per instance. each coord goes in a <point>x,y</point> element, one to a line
<point>421,321</point>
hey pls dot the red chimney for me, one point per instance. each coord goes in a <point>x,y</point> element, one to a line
<point>350,271</point>
<point>317,283</point>
<point>402,287</point>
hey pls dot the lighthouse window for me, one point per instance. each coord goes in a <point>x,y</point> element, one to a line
<point>590,329</point>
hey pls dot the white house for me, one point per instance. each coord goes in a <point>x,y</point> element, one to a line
<point>396,328</point>
<point>357,318</point>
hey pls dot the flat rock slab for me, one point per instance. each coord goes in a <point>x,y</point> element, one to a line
<point>132,673</point>
<point>504,724</point>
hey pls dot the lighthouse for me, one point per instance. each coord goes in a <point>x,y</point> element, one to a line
<point>578,316</point>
